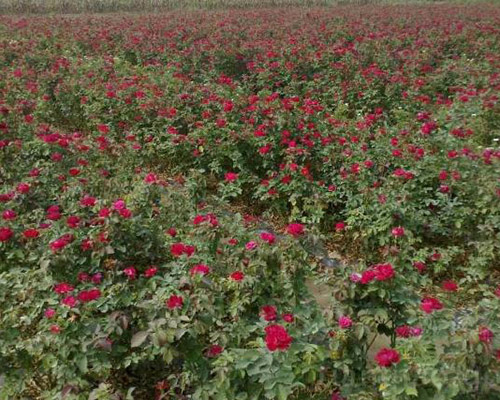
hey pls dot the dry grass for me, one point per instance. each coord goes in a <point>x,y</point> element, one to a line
<point>99,6</point>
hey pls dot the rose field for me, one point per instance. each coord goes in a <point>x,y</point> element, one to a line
<point>256,203</point>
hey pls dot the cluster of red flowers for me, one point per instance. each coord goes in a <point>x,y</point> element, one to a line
<point>84,296</point>
<point>178,249</point>
<point>377,137</point>
<point>379,272</point>
<point>405,331</point>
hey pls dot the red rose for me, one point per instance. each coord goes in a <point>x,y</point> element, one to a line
<point>430,304</point>
<point>237,276</point>
<point>5,234</point>
<point>23,188</point>
<point>9,215</point>
<point>151,178</point>
<point>336,396</point>
<point>252,245</point>
<point>83,277</point>
<point>449,286</point>
<point>60,243</point>
<point>125,213</point>
<point>73,221</point>
<point>230,176</point>
<point>63,288</point>
<point>150,272</point>
<point>398,231</point>
<point>345,322</point>
<point>277,338</point>
<point>384,272</point>
<point>96,278</point>
<point>104,212</point>
<point>295,229</point>
<point>55,329</point>
<point>86,296</point>
<point>88,201</point>
<point>268,237</point>
<point>175,302</point>
<point>405,331</point>
<point>214,350</point>
<point>177,249</point>
<point>340,226</point>
<point>86,244</point>
<point>172,232</point>
<point>131,272</point>
<point>386,357</point>
<point>444,189</point>
<point>31,233</point>
<point>268,313</point>
<point>485,335</point>
<point>200,269</point>
<point>288,318</point>
<point>367,276</point>
<point>189,250</point>
<point>435,257</point>
<point>420,266</point>
<point>69,301</point>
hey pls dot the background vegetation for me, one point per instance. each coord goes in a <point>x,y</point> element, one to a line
<point>98,6</point>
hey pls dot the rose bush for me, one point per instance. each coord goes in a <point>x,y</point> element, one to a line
<point>166,183</point>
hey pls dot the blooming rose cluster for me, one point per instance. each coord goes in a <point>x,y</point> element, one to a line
<point>379,272</point>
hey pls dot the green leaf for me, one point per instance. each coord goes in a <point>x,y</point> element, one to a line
<point>82,364</point>
<point>139,338</point>
<point>411,391</point>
